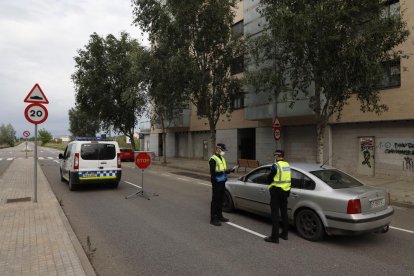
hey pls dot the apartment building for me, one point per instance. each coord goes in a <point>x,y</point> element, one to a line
<point>359,143</point>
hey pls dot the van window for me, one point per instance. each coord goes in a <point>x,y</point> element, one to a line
<point>98,151</point>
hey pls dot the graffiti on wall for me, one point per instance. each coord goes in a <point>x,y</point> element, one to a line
<point>367,149</point>
<point>397,151</point>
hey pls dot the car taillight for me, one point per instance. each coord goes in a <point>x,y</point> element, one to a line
<point>354,206</point>
<point>389,199</point>
<point>76,162</point>
<point>118,157</point>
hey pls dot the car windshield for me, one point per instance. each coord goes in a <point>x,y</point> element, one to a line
<point>336,179</point>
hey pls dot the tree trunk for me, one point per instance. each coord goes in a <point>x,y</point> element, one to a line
<point>131,137</point>
<point>164,139</point>
<point>212,135</point>
<point>320,136</point>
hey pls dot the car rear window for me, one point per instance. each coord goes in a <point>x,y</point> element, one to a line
<point>336,179</point>
<point>98,151</point>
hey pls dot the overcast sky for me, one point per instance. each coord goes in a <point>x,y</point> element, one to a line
<point>38,41</point>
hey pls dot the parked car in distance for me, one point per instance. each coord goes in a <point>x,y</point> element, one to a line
<point>323,200</point>
<point>127,154</point>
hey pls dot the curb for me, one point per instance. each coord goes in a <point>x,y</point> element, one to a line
<point>86,265</point>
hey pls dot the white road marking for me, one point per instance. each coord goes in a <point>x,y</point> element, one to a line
<point>204,184</point>
<point>183,179</point>
<point>9,159</point>
<point>56,161</point>
<point>50,158</point>
<point>246,230</point>
<point>1,159</point>
<point>127,182</point>
<point>40,158</point>
<point>401,229</point>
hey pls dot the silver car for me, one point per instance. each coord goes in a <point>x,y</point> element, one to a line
<point>323,200</point>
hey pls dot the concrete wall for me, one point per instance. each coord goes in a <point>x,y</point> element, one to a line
<point>229,138</point>
<point>394,147</point>
<point>153,143</point>
<point>198,138</point>
<point>171,146</point>
<point>265,145</point>
<point>182,142</point>
<point>300,143</point>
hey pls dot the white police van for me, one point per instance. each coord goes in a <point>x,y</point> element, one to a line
<point>91,160</point>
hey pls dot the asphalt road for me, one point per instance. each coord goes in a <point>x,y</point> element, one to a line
<point>170,234</point>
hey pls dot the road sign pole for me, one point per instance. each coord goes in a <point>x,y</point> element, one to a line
<point>35,166</point>
<point>26,148</point>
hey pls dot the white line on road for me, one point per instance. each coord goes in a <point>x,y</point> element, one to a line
<point>183,179</point>
<point>204,184</point>
<point>127,182</point>
<point>9,159</point>
<point>51,158</point>
<point>1,159</point>
<point>40,158</point>
<point>245,229</point>
<point>401,229</point>
<point>56,161</point>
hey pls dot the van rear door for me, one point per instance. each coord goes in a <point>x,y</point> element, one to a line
<point>98,160</point>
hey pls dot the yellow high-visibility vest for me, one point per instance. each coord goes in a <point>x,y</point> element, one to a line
<point>282,177</point>
<point>221,167</point>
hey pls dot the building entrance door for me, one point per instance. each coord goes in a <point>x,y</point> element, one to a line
<point>366,160</point>
<point>247,143</point>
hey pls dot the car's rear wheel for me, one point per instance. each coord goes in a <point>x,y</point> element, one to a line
<point>72,186</point>
<point>309,225</point>
<point>228,205</point>
<point>114,185</point>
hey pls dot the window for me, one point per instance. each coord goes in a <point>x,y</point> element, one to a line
<point>237,66</point>
<point>336,179</point>
<point>238,102</point>
<point>301,181</point>
<point>98,151</point>
<point>392,8</point>
<point>391,74</point>
<point>259,176</point>
<point>237,29</point>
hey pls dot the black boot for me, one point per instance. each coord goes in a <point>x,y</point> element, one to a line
<point>271,239</point>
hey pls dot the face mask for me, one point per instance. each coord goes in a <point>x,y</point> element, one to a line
<point>222,153</point>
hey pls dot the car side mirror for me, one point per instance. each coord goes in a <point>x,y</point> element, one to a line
<point>60,156</point>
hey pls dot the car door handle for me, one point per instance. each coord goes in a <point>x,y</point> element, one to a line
<point>294,195</point>
<point>261,190</point>
<point>103,162</point>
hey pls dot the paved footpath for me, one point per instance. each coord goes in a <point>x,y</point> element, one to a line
<point>35,238</point>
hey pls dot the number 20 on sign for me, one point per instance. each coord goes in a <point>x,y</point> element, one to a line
<point>36,113</point>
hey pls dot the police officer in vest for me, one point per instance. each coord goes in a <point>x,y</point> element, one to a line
<point>218,172</point>
<point>279,188</point>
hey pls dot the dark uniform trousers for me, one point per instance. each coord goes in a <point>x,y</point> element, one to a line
<point>217,200</point>
<point>278,201</point>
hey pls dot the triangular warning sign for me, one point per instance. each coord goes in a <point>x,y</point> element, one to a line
<point>36,95</point>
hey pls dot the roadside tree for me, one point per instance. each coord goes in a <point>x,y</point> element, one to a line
<point>327,51</point>
<point>45,136</point>
<point>82,124</point>
<point>201,31</point>
<point>109,81</point>
<point>7,135</point>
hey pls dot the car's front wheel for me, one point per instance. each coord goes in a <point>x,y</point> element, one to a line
<point>309,225</point>
<point>228,205</point>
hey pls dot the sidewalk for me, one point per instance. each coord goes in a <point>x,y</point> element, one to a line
<point>401,190</point>
<point>35,238</point>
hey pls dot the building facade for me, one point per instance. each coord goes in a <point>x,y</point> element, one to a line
<point>359,143</point>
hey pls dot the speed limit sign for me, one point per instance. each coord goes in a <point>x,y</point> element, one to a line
<point>36,113</point>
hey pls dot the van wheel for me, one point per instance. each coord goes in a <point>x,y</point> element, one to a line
<point>61,176</point>
<point>72,186</point>
<point>114,185</point>
<point>309,225</point>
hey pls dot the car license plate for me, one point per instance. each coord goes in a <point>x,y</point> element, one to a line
<point>377,203</point>
<point>89,174</point>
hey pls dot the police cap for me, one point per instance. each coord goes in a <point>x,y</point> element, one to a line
<point>279,152</point>
<point>222,146</point>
